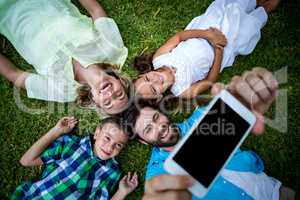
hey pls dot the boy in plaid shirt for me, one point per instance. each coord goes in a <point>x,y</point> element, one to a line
<point>78,168</point>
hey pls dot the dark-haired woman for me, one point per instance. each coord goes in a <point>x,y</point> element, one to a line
<point>68,51</point>
<point>189,62</point>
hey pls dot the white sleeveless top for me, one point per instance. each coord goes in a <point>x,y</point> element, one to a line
<point>194,57</point>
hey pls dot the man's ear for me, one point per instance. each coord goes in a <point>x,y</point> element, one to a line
<point>143,142</point>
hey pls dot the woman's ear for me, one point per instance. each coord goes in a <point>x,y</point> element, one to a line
<point>143,142</point>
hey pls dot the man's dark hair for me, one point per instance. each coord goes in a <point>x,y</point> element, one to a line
<point>132,114</point>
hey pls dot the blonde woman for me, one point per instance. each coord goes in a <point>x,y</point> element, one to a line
<point>69,52</point>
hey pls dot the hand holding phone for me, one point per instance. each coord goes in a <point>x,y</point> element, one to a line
<point>211,142</point>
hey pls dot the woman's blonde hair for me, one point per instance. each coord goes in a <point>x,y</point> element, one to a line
<point>84,95</point>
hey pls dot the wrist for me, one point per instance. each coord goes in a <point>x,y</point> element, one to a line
<point>56,132</point>
<point>206,34</point>
<point>121,194</point>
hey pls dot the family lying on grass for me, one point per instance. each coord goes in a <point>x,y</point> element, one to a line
<point>76,58</point>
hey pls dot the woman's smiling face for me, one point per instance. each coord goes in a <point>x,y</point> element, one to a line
<point>109,94</point>
<point>153,84</point>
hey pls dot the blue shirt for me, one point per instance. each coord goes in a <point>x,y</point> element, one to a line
<point>242,161</point>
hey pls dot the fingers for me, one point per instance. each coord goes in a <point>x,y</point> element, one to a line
<point>124,179</point>
<point>246,93</point>
<point>168,182</point>
<point>170,195</point>
<point>219,37</point>
<point>256,89</point>
<point>216,88</point>
<point>259,86</point>
<point>135,180</point>
<point>69,121</point>
<point>220,47</point>
<point>128,177</point>
<point>268,77</point>
<point>72,121</point>
<point>131,179</point>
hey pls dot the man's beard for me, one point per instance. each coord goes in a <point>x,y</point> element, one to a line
<point>174,140</point>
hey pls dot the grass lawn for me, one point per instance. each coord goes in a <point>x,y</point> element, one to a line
<point>146,25</point>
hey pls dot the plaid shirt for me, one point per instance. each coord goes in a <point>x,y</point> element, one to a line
<point>72,172</point>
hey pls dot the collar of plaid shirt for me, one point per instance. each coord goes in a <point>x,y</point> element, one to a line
<point>72,171</point>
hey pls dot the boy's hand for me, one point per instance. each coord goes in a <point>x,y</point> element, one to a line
<point>66,125</point>
<point>128,183</point>
<point>216,38</point>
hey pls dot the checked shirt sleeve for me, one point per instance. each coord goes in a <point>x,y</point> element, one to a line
<point>55,149</point>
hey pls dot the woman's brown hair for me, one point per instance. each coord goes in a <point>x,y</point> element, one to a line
<point>143,63</point>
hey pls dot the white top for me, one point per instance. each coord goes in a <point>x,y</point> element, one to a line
<point>265,187</point>
<point>239,21</point>
<point>48,34</point>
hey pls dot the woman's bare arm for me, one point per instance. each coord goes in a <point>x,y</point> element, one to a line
<point>203,85</point>
<point>214,36</point>
<point>179,37</point>
<point>12,73</point>
<point>93,8</point>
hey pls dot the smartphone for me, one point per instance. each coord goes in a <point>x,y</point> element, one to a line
<point>206,149</point>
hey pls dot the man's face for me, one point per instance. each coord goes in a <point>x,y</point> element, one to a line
<point>155,128</point>
<point>109,141</point>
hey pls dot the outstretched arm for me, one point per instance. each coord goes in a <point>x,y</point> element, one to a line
<point>32,155</point>
<point>12,73</point>
<point>177,38</point>
<point>203,85</point>
<point>212,35</point>
<point>93,8</point>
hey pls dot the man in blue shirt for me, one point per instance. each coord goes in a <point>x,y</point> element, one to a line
<point>243,177</point>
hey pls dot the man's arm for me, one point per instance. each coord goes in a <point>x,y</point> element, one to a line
<point>168,187</point>
<point>32,155</point>
<point>257,90</point>
<point>93,8</point>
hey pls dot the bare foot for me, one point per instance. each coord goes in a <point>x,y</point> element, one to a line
<point>270,5</point>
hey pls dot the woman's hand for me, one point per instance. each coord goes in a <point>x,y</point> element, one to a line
<point>65,125</point>
<point>128,183</point>
<point>216,38</point>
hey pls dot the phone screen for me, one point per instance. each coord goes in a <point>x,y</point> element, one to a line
<point>207,149</point>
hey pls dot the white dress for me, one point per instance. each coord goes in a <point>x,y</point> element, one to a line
<point>238,20</point>
<point>48,34</point>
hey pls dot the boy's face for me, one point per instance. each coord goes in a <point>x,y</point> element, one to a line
<point>109,141</point>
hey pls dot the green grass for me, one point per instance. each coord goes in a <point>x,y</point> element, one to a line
<point>141,29</point>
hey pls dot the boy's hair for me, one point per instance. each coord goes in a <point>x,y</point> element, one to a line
<point>120,123</point>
